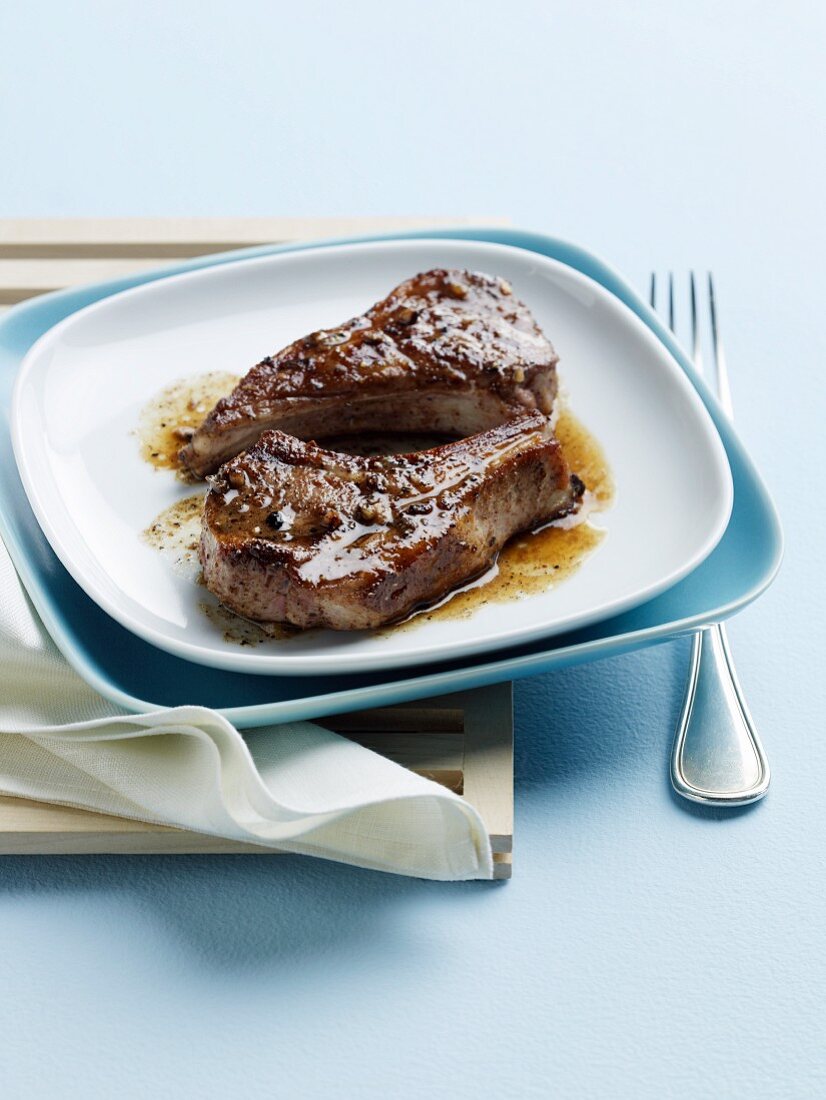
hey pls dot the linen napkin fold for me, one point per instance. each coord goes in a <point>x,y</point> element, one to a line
<point>295,787</point>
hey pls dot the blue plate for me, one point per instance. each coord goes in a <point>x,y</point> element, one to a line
<point>137,676</point>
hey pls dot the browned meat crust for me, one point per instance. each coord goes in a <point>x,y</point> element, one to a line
<point>450,352</point>
<point>295,533</point>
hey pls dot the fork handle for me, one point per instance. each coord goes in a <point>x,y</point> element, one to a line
<point>717,757</point>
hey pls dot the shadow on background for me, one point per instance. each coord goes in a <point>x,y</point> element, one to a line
<point>603,721</point>
<point>711,813</point>
<point>236,912</point>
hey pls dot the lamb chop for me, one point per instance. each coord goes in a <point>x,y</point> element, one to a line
<point>295,533</point>
<point>447,352</point>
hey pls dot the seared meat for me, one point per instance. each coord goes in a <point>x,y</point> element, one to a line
<point>449,352</point>
<point>295,533</point>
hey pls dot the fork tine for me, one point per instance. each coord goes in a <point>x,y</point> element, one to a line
<point>720,368</point>
<point>696,348</point>
<point>652,294</point>
<point>671,300</point>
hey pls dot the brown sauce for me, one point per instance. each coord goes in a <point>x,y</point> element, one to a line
<point>243,631</point>
<point>176,533</point>
<point>542,559</point>
<point>586,457</point>
<point>169,419</point>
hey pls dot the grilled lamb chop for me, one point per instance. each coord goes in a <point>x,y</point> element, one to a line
<point>447,352</point>
<point>295,533</point>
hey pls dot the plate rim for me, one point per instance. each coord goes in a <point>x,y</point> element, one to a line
<point>266,663</point>
<point>49,596</point>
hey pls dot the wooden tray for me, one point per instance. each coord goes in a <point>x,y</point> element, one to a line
<point>464,741</point>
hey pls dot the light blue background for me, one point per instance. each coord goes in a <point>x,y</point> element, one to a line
<point>643,948</point>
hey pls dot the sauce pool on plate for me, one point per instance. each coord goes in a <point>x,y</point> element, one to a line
<point>167,421</point>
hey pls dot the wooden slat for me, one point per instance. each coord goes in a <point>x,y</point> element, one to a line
<point>153,238</point>
<point>40,828</point>
<point>22,279</point>
<point>502,865</point>
<point>435,755</point>
<point>76,832</point>
<point>488,770</point>
<point>401,719</point>
<point>37,257</point>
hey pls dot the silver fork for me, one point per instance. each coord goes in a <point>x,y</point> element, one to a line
<point>717,757</point>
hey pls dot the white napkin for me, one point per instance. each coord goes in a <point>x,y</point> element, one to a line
<point>295,787</point>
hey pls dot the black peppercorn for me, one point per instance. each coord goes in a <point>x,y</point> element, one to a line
<point>275,520</point>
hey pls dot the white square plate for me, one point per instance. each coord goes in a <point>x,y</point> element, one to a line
<point>82,385</point>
